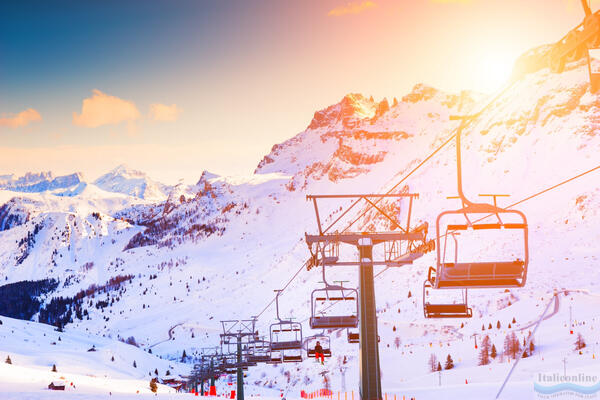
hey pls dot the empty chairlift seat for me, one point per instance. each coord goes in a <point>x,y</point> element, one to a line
<point>445,310</point>
<point>334,307</point>
<point>353,337</point>
<point>286,335</point>
<point>498,271</point>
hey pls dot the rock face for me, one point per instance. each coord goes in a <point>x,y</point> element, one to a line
<point>352,137</point>
<point>346,113</point>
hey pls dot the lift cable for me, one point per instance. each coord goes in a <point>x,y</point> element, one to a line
<point>510,206</point>
<point>429,157</point>
<point>281,291</point>
<point>465,123</point>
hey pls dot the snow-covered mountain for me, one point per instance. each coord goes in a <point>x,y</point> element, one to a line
<point>39,182</point>
<point>133,183</point>
<point>217,249</point>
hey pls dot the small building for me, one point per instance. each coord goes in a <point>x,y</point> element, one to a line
<point>174,382</point>
<point>57,385</point>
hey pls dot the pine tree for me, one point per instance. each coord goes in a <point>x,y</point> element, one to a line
<point>112,358</point>
<point>511,345</point>
<point>8,360</point>
<point>531,347</point>
<point>490,326</point>
<point>498,325</point>
<point>409,294</point>
<point>153,385</point>
<point>514,321</point>
<point>580,342</point>
<point>439,367</point>
<point>433,363</point>
<point>168,372</point>
<point>484,354</point>
<point>134,364</point>
<point>449,362</point>
<point>494,352</point>
<point>54,368</point>
<point>183,356</point>
<point>462,324</point>
<point>509,325</point>
<point>483,327</point>
<point>155,371</point>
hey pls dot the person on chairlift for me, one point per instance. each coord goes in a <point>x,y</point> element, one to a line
<point>319,352</point>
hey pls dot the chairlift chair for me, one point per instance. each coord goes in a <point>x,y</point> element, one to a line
<point>353,337</point>
<point>491,273</point>
<point>259,351</point>
<point>292,356</point>
<point>325,298</point>
<point>439,310</point>
<point>285,334</point>
<point>311,342</point>
<point>275,357</point>
<point>499,271</point>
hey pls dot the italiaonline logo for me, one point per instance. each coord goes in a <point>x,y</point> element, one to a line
<point>566,386</point>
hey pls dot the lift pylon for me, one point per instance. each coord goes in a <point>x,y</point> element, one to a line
<point>402,245</point>
<point>241,331</point>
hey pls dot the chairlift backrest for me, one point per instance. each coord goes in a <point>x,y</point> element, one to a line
<point>325,314</point>
<point>498,271</point>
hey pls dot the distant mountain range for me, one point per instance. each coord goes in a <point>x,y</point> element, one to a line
<point>119,180</point>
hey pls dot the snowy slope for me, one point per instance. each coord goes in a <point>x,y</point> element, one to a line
<point>93,364</point>
<point>217,249</point>
<point>133,183</point>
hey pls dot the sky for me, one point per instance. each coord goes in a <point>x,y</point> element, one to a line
<point>177,87</point>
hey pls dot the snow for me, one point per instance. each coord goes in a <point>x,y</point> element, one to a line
<point>220,247</point>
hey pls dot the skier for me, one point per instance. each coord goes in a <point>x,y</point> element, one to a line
<point>319,353</point>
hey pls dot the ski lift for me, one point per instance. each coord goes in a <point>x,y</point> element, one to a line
<point>285,334</point>
<point>479,270</point>
<point>294,356</point>
<point>275,357</point>
<point>440,310</point>
<point>259,351</point>
<point>353,336</point>
<point>334,306</point>
<point>323,340</point>
<point>593,57</point>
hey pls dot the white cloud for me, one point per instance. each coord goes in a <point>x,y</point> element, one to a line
<point>103,109</point>
<point>21,119</point>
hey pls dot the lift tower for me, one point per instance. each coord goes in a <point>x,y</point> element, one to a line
<point>243,332</point>
<point>401,246</point>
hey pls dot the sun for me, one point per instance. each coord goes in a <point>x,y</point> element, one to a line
<point>493,70</point>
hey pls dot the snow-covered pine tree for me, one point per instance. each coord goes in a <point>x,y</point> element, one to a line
<point>449,362</point>
<point>580,342</point>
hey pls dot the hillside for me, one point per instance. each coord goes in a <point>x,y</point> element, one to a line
<point>217,249</point>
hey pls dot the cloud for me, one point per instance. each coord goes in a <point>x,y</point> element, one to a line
<point>163,112</point>
<point>351,8</point>
<point>21,119</point>
<point>103,109</point>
